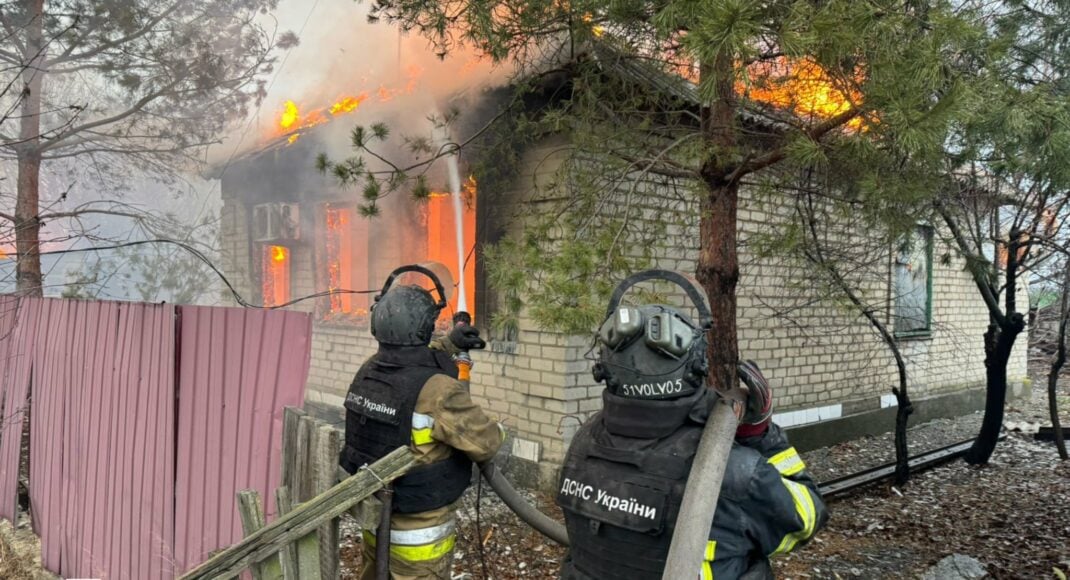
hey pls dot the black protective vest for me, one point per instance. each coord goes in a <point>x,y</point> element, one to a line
<point>379,408</point>
<point>622,484</point>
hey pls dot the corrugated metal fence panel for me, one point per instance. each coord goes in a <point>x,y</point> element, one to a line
<point>238,369</point>
<point>9,307</point>
<point>101,433</point>
<point>17,385</point>
<point>47,405</point>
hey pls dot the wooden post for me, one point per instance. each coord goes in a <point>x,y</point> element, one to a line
<point>301,487</point>
<point>291,417</point>
<point>304,518</point>
<point>301,559</point>
<point>326,445</point>
<point>251,510</point>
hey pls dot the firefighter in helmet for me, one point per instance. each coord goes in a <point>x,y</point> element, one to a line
<point>408,394</point>
<point>626,469</point>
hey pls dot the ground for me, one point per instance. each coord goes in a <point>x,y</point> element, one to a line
<point>1011,515</point>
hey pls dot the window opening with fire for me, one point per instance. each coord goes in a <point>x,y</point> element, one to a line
<point>275,274</point>
<point>344,264</point>
<point>442,242</point>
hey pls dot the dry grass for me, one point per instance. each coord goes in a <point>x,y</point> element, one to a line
<point>15,566</point>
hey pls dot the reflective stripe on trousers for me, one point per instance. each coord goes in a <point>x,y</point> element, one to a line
<point>421,544</point>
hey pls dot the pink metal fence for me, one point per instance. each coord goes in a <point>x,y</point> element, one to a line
<point>17,356</point>
<point>120,486</point>
<point>101,479</point>
<point>238,370</point>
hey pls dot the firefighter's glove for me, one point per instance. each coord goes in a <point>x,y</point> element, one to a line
<point>466,337</point>
<point>759,407</point>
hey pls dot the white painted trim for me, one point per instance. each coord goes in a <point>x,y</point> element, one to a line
<point>807,416</point>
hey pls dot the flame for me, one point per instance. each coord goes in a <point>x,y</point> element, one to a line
<point>442,238</point>
<point>597,29</point>
<point>292,138</point>
<point>345,241</point>
<point>275,275</point>
<point>289,115</point>
<point>292,118</point>
<point>802,86</point>
<point>346,104</point>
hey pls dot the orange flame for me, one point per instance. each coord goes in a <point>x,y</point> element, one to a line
<point>802,86</point>
<point>442,237</point>
<point>289,115</point>
<point>346,104</point>
<point>275,275</point>
<point>291,118</point>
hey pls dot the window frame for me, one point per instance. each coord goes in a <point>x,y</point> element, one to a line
<point>930,239</point>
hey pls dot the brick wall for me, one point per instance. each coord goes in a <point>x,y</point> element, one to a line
<point>826,363</point>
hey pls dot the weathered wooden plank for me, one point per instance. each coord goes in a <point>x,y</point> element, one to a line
<point>290,419</point>
<point>288,554</point>
<point>302,485</point>
<point>328,445</point>
<point>305,518</point>
<point>251,510</point>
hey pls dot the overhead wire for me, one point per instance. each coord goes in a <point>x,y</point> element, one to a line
<point>203,258</point>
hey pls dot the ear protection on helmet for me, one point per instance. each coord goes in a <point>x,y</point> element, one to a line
<point>421,270</point>
<point>697,298</point>
<point>663,330</point>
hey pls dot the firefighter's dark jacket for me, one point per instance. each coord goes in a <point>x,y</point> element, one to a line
<point>410,396</point>
<point>624,478</point>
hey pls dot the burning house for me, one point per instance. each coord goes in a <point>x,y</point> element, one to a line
<point>291,232</point>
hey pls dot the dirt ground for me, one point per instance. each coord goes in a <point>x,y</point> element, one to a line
<point>1013,514</point>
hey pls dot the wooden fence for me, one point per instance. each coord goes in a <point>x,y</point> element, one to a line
<point>302,544</point>
<point>310,450</point>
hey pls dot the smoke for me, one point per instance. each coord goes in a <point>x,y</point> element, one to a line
<point>341,55</point>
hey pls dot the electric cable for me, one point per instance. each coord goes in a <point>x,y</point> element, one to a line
<point>200,256</point>
<point>479,533</point>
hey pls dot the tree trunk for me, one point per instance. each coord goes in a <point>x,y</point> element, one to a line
<point>902,415</point>
<point>28,279</point>
<point>1057,366</point>
<point>718,272</point>
<point>1053,399</point>
<point>718,262</point>
<point>999,341</point>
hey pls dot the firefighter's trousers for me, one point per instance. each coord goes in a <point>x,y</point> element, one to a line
<point>421,546</point>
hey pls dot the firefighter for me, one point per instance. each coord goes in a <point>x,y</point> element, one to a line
<point>626,469</point>
<point>408,394</point>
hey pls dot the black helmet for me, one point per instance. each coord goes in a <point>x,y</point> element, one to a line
<point>652,351</point>
<point>406,315</point>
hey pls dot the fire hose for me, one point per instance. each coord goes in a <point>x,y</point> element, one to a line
<point>528,513</point>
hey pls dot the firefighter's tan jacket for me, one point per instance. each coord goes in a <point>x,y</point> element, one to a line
<point>445,417</point>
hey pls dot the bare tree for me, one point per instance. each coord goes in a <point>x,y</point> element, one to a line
<point>1057,364</point>
<point>108,88</point>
